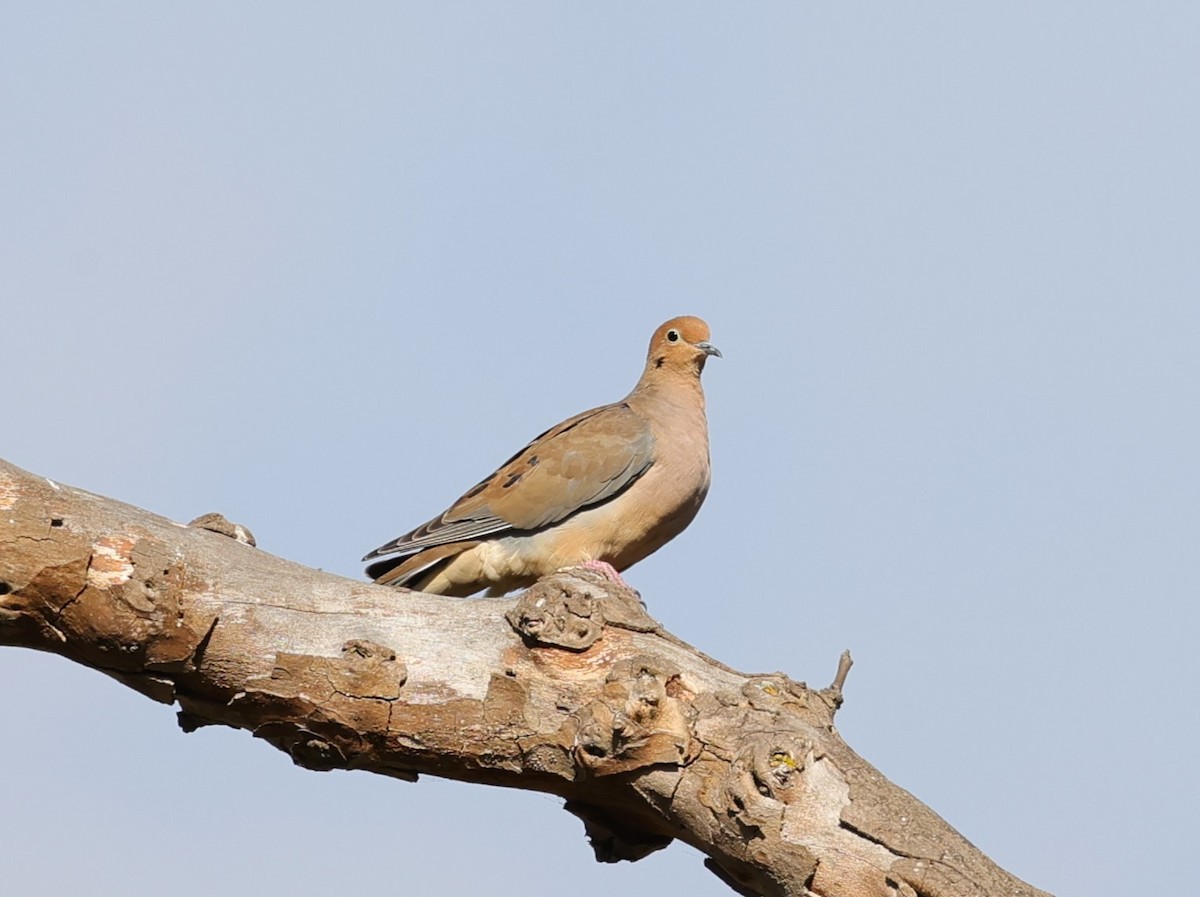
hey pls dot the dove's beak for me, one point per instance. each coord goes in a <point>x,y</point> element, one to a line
<point>709,349</point>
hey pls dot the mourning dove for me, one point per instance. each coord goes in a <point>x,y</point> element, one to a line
<point>604,488</point>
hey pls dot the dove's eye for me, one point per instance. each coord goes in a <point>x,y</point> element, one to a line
<point>672,336</point>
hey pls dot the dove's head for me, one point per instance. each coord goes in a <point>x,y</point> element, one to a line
<point>681,344</point>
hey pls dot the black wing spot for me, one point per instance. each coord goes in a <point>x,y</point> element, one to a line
<point>513,479</point>
<point>533,461</point>
<point>476,489</point>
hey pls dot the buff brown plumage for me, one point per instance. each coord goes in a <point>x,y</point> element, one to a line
<point>606,487</point>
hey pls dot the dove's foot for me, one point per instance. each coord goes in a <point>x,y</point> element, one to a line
<point>608,571</point>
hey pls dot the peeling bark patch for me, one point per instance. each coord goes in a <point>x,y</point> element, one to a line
<point>368,670</point>
<point>813,820</point>
<point>505,703</point>
<point>111,563</point>
<point>375,674</point>
<point>364,649</point>
<point>825,792</point>
<point>8,492</point>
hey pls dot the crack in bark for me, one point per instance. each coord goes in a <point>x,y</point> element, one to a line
<point>197,656</point>
<point>901,854</point>
<point>876,839</point>
<point>291,609</point>
<point>63,609</point>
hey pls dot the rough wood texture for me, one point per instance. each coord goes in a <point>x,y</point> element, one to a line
<point>570,689</point>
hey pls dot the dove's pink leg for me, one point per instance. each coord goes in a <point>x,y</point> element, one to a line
<point>607,570</point>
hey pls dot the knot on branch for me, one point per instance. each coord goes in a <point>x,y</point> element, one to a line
<point>741,800</point>
<point>316,753</point>
<point>749,800</point>
<point>773,764</point>
<point>217,523</point>
<point>570,610</point>
<point>634,723</point>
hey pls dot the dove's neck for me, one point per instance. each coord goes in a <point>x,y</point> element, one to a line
<point>678,391</point>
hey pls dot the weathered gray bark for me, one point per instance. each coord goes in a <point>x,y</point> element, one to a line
<point>570,689</point>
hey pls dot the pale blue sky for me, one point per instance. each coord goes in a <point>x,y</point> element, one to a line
<point>320,267</point>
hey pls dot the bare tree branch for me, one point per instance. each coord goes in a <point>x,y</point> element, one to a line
<point>571,689</point>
